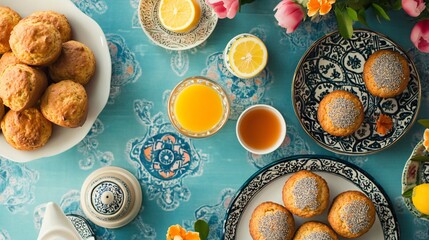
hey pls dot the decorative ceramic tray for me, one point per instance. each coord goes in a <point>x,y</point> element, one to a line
<point>415,173</point>
<point>87,31</point>
<point>148,16</point>
<point>333,63</point>
<point>267,184</point>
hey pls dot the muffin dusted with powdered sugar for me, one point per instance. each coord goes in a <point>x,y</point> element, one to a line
<point>271,221</point>
<point>315,231</point>
<point>352,214</point>
<point>305,194</point>
<point>340,113</point>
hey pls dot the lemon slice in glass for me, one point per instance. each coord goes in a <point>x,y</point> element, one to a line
<point>179,15</point>
<point>246,56</point>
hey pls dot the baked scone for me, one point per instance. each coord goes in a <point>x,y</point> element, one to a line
<point>340,113</point>
<point>386,73</point>
<point>76,62</point>
<point>352,214</point>
<point>22,86</point>
<point>315,231</point>
<point>271,221</point>
<point>7,59</point>
<point>305,194</point>
<point>65,103</point>
<point>58,20</point>
<point>26,130</point>
<point>36,44</point>
<point>8,19</point>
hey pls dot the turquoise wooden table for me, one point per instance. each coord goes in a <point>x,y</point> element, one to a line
<point>143,74</point>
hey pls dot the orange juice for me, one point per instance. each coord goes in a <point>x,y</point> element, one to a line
<point>198,108</point>
<point>261,129</point>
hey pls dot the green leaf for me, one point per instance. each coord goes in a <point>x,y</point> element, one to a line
<point>420,158</point>
<point>424,122</point>
<point>380,11</point>
<point>397,5</point>
<point>362,17</point>
<point>345,23</point>
<point>352,13</point>
<point>408,193</point>
<point>203,228</point>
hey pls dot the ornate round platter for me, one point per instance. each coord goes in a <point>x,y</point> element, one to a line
<point>267,184</point>
<point>415,172</point>
<point>148,16</point>
<point>333,63</point>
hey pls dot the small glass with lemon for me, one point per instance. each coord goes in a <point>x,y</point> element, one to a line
<point>179,16</point>
<point>198,107</point>
<point>245,56</point>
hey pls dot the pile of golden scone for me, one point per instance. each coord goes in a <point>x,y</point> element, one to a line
<point>306,194</point>
<point>42,77</point>
<point>386,74</point>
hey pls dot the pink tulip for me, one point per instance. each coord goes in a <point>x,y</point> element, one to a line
<point>420,35</point>
<point>413,7</point>
<point>289,15</point>
<point>224,8</point>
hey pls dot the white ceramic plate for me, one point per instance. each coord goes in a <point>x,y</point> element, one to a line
<point>87,31</point>
<point>148,17</point>
<point>333,63</point>
<point>415,172</point>
<point>267,184</point>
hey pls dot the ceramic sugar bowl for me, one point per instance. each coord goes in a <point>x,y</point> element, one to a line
<point>111,197</point>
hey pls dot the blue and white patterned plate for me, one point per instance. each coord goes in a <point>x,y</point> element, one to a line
<point>415,172</point>
<point>267,184</point>
<point>333,63</point>
<point>148,16</point>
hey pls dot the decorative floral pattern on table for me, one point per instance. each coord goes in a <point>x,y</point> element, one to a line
<point>163,158</point>
<point>89,148</point>
<point>16,186</point>
<point>335,63</point>
<point>4,235</point>
<point>125,68</point>
<point>242,92</point>
<point>91,7</point>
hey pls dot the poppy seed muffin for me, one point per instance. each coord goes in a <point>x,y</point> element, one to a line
<point>59,21</point>
<point>315,231</point>
<point>26,130</point>
<point>36,43</point>
<point>65,104</point>
<point>386,73</point>
<point>305,194</point>
<point>76,62</point>
<point>8,19</point>
<point>352,214</point>
<point>340,113</point>
<point>22,86</point>
<point>7,59</point>
<point>271,221</point>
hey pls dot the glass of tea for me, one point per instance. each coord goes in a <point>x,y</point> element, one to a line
<point>198,107</point>
<point>261,129</point>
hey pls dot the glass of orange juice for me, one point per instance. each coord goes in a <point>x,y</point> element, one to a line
<point>261,129</point>
<point>198,107</point>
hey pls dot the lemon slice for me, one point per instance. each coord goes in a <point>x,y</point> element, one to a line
<point>420,198</point>
<point>247,56</point>
<point>179,15</point>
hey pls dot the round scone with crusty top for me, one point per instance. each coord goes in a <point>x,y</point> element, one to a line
<point>315,231</point>
<point>271,221</point>
<point>2,110</point>
<point>6,60</point>
<point>340,113</point>
<point>65,103</point>
<point>386,73</point>
<point>8,19</point>
<point>36,43</point>
<point>22,86</point>
<point>58,20</point>
<point>76,62</point>
<point>305,194</point>
<point>352,214</point>
<point>26,129</point>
